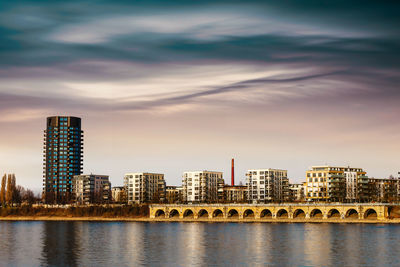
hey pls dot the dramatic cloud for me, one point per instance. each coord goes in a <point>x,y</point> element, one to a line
<point>179,85</point>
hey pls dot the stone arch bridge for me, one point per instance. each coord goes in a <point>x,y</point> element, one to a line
<point>288,211</point>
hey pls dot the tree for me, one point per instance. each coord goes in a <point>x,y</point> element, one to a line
<point>19,191</point>
<point>10,189</point>
<point>3,190</point>
<point>28,197</point>
<point>16,196</point>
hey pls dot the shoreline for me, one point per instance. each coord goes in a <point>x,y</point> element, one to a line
<point>190,220</point>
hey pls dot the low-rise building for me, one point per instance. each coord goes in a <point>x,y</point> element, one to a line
<point>297,192</point>
<point>267,185</point>
<point>202,186</point>
<point>91,188</point>
<point>118,194</point>
<point>174,194</point>
<point>384,190</point>
<point>235,193</point>
<point>145,187</point>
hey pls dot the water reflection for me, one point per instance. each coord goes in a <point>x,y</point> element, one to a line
<point>196,244</point>
<point>59,244</point>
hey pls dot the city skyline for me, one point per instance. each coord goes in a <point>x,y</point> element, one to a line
<point>187,87</point>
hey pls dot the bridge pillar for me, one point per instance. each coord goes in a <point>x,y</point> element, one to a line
<point>325,216</point>
<point>290,215</point>
<point>307,215</point>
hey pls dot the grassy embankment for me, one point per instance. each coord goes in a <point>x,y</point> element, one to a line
<point>98,212</point>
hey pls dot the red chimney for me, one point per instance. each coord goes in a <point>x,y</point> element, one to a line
<point>233,172</point>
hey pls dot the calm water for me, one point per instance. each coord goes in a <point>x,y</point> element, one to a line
<point>197,244</point>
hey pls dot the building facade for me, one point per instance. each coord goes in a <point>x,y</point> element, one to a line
<point>297,192</point>
<point>336,184</point>
<point>174,194</point>
<point>145,187</point>
<point>384,190</point>
<point>118,194</point>
<point>202,186</point>
<point>235,194</point>
<point>63,157</point>
<point>91,189</point>
<point>357,189</point>
<point>267,185</point>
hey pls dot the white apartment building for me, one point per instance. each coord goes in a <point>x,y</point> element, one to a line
<point>202,186</point>
<point>266,185</point>
<point>144,187</point>
<point>91,188</point>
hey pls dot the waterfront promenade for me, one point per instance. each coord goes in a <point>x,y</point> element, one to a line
<point>286,212</point>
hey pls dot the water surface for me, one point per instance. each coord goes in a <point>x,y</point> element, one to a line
<point>197,244</point>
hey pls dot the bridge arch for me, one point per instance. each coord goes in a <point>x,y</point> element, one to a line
<point>188,213</point>
<point>299,213</point>
<point>174,213</point>
<point>351,214</point>
<point>266,213</point>
<point>217,213</point>
<point>282,214</point>
<point>316,213</point>
<point>159,213</point>
<point>370,214</point>
<point>202,213</point>
<point>334,214</point>
<point>248,214</point>
<point>233,213</point>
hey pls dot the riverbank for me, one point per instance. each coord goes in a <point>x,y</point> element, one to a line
<point>206,220</point>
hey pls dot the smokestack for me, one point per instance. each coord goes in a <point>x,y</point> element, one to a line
<point>233,172</point>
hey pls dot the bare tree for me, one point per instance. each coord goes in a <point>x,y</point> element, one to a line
<point>28,197</point>
<point>19,191</point>
<point>3,190</point>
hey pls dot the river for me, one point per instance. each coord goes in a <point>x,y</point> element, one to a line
<point>41,243</point>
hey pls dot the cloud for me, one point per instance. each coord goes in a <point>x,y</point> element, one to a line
<point>282,76</point>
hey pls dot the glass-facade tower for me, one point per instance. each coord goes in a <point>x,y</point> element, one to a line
<point>63,157</point>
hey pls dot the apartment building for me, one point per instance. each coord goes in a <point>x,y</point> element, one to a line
<point>296,192</point>
<point>336,184</point>
<point>145,187</point>
<point>384,190</point>
<point>118,194</point>
<point>235,193</point>
<point>91,188</point>
<point>267,185</point>
<point>202,186</point>
<point>174,194</point>
<point>62,157</point>
<point>357,189</point>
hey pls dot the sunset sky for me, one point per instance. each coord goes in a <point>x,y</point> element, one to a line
<point>174,86</point>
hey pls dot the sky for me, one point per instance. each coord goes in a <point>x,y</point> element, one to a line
<point>174,86</point>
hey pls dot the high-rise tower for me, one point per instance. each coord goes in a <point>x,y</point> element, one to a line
<point>63,157</point>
